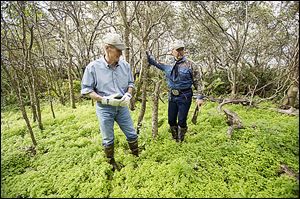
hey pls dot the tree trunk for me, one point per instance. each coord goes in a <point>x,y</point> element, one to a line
<point>133,67</point>
<point>36,100</point>
<point>127,32</point>
<point>61,96</point>
<point>293,90</point>
<point>234,81</point>
<point>25,117</point>
<point>69,63</point>
<point>32,105</point>
<point>28,62</point>
<point>48,90</point>
<point>144,87</point>
<point>33,84</point>
<point>139,82</point>
<point>72,97</point>
<point>122,6</point>
<point>291,97</point>
<point>155,109</point>
<point>123,12</point>
<point>16,87</point>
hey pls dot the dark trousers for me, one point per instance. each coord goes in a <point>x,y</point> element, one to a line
<point>179,108</point>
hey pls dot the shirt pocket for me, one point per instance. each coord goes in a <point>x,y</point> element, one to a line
<point>122,79</point>
<point>184,74</point>
<point>103,81</point>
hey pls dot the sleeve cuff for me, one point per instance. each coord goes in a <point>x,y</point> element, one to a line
<point>86,91</point>
<point>200,97</point>
<point>131,85</point>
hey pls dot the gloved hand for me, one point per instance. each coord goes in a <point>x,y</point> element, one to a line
<point>111,100</point>
<point>125,100</point>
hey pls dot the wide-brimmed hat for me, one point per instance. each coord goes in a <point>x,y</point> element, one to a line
<point>177,44</point>
<point>115,40</point>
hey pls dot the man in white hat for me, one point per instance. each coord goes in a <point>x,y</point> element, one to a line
<point>109,81</point>
<point>181,74</point>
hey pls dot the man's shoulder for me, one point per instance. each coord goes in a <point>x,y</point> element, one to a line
<point>189,61</point>
<point>96,62</point>
<point>193,64</point>
<point>123,62</point>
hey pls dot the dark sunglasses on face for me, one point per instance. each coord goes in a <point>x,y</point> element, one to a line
<point>179,49</point>
<point>113,47</point>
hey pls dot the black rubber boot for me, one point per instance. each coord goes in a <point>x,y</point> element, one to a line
<point>174,131</point>
<point>109,152</point>
<point>134,147</point>
<point>181,133</point>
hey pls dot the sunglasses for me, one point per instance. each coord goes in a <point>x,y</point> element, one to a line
<point>179,49</point>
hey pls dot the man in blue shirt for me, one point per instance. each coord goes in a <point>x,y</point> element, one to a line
<point>109,81</point>
<point>181,74</point>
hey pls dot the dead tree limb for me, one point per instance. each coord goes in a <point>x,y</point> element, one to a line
<point>215,99</point>
<point>291,111</point>
<point>285,169</point>
<point>233,121</point>
<point>244,102</point>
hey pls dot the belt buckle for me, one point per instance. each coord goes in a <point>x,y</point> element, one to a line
<point>175,92</point>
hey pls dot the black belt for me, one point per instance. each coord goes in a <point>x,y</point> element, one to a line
<point>177,92</point>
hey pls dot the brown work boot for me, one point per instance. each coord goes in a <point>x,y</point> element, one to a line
<point>174,131</point>
<point>134,147</point>
<point>181,133</point>
<point>109,152</point>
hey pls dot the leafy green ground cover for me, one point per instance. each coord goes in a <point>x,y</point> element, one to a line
<point>70,161</point>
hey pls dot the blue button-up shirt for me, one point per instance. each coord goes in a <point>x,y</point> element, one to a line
<point>104,80</point>
<point>188,74</point>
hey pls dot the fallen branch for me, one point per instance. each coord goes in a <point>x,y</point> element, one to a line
<point>215,99</point>
<point>285,169</point>
<point>31,151</point>
<point>234,121</point>
<point>290,111</point>
<point>234,101</point>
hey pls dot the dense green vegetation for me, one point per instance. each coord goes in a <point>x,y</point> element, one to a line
<point>70,162</point>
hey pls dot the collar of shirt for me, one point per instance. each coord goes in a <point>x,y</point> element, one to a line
<point>109,66</point>
<point>183,59</point>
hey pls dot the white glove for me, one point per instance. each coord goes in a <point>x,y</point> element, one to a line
<point>125,100</point>
<point>110,100</point>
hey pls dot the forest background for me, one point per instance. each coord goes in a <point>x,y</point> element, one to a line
<point>248,54</point>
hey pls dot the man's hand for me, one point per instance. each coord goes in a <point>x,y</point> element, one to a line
<point>125,100</point>
<point>199,102</point>
<point>148,53</point>
<point>110,100</point>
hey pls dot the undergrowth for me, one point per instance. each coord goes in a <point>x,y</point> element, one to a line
<point>70,161</point>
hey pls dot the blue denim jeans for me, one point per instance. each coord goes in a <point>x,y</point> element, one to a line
<point>179,107</point>
<point>107,115</point>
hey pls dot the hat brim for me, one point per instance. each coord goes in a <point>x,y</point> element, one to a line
<point>120,46</point>
<point>177,47</point>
